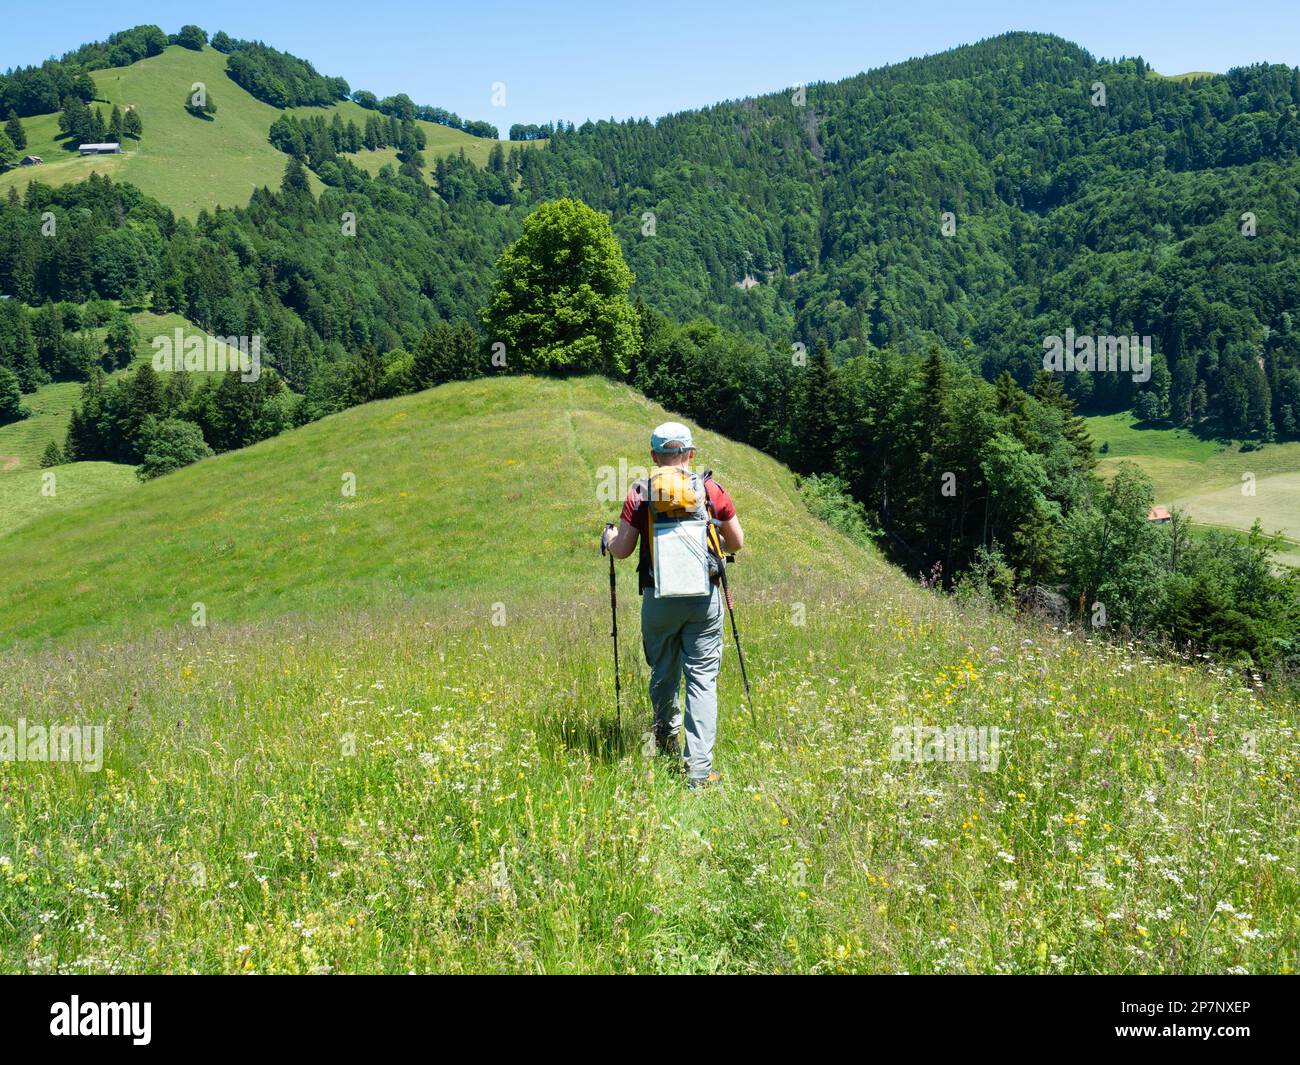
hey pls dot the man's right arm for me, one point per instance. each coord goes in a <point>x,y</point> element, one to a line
<point>624,541</point>
<point>731,535</point>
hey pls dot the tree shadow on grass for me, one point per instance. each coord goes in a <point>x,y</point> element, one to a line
<point>1207,429</point>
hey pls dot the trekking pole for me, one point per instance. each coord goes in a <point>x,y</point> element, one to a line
<point>613,609</point>
<point>726,595</point>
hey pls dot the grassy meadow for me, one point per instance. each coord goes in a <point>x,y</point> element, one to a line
<point>392,746</point>
<point>1209,479</point>
<point>191,163</point>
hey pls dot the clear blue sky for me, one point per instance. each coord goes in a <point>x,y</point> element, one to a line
<point>579,59</point>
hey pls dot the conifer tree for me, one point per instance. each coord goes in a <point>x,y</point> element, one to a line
<point>14,129</point>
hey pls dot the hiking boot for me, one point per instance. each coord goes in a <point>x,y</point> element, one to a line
<point>697,783</point>
<point>669,743</point>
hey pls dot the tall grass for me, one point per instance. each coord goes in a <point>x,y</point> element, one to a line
<point>382,793</point>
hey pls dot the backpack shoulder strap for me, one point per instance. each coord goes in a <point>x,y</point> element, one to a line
<point>705,478</point>
<point>714,540</point>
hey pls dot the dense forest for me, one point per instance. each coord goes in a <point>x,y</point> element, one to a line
<point>1172,211</point>
<point>857,278</point>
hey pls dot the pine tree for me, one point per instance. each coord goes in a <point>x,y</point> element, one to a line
<point>295,178</point>
<point>52,455</point>
<point>15,131</point>
<point>1049,391</point>
<point>119,343</point>
<point>817,427</point>
<point>11,399</point>
<point>1013,405</point>
<point>935,432</point>
<point>47,330</point>
<point>77,121</point>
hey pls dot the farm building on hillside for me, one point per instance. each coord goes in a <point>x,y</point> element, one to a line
<point>109,148</point>
<point>1159,515</point>
<point>31,160</point>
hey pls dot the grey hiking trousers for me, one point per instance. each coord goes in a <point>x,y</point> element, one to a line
<point>684,634</point>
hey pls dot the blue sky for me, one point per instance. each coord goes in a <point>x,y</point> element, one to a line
<point>578,60</point>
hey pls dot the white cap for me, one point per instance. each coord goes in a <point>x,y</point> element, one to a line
<point>670,439</point>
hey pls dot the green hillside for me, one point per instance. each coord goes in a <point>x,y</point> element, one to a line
<point>391,748</point>
<point>185,162</point>
<point>51,405</point>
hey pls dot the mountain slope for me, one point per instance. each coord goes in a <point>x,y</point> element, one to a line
<point>185,162</point>
<point>393,747</point>
<point>1167,210</point>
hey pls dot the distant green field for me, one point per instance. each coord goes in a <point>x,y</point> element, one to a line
<point>1216,483</point>
<point>185,162</point>
<point>51,406</point>
<point>22,443</point>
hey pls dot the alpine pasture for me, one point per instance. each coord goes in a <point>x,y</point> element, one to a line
<point>190,163</point>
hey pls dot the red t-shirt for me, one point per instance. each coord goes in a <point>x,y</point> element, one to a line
<point>634,513</point>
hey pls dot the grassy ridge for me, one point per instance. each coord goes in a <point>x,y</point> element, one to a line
<point>267,530</point>
<point>392,747</point>
<point>185,162</point>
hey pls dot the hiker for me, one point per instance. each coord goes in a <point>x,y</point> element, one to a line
<point>684,522</point>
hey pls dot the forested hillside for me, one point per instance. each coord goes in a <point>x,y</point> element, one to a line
<point>1116,219</point>
<point>984,199</point>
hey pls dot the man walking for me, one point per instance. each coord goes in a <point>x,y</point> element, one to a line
<point>684,523</point>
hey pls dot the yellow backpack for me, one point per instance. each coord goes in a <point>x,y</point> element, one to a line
<point>676,493</point>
